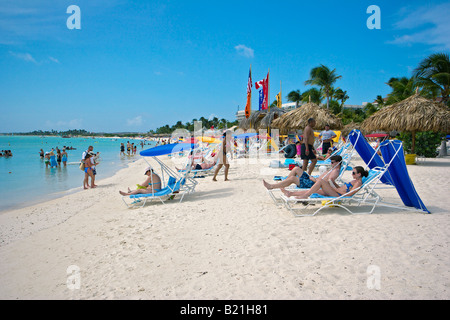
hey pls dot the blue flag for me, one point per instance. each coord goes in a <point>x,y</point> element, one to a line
<point>261,98</point>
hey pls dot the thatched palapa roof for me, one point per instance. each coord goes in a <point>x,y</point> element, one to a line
<point>274,113</point>
<point>349,127</point>
<point>413,114</point>
<point>298,118</point>
<point>261,119</point>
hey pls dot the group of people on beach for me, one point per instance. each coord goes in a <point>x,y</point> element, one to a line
<point>131,148</point>
<point>152,183</point>
<point>325,184</point>
<point>53,158</point>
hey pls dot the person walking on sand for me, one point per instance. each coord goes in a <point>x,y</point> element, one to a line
<point>222,155</point>
<point>307,148</point>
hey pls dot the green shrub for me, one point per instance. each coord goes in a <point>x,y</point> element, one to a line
<point>426,143</point>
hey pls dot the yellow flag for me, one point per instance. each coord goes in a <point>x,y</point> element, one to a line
<point>279,100</point>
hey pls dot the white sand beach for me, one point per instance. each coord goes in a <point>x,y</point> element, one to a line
<point>227,240</point>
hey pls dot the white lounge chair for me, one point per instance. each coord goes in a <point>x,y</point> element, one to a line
<point>173,188</point>
<point>364,196</point>
<point>275,194</point>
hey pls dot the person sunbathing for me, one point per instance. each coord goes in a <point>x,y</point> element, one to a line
<point>151,185</point>
<point>324,188</point>
<point>326,156</point>
<point>203,165</point>
<point>301,179</point>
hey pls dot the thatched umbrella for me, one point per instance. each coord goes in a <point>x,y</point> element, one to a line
<point>349,127</point>
<point>270,116</point>
<point>298,118</point>
<point>253,121</point>
<point>414,114</point>
<point>244,124</point>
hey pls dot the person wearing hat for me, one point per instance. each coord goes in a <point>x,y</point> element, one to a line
<point>151,185</point>
<point>327,136</point>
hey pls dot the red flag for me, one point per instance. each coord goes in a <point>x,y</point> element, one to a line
<point>264,83</point>
<point>248,106</point>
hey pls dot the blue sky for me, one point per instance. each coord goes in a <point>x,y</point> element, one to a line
<point>138,65</point>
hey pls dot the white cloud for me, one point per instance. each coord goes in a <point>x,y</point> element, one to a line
<point>29,58</point>
<point>245,51</point>
<point>23,56</point>
<point>54,60</point>
<point>137,121</point>
<point>434,25</point>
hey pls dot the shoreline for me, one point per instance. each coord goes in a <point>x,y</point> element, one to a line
<point>227,240</point>
<point>40,207</point>
<point>54,195</point>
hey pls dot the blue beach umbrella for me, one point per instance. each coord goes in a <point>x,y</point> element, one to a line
<point>167,149</point>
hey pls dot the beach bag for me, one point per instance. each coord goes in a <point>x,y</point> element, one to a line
<point>82,166</point>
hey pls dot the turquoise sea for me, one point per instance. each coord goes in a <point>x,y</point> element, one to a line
<point>25,180</point>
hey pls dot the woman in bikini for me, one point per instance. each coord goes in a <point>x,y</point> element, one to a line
<point>88,171</point>
<point>151,185</point>
<point>324,188</point>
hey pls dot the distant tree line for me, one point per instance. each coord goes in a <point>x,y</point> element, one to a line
<point>74,132</point>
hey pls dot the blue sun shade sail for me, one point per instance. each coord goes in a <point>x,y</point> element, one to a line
<point>392,152</point>
<point>368,154</point>
<point>167,149</point>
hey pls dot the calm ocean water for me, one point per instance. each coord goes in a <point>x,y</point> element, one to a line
<point>25,180</point>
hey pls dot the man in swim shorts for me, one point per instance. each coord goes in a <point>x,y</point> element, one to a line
<point>307,148</point>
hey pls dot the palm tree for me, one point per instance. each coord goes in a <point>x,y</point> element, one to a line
<point>295,96</point>
<point>380,101</point>
<point>434,73</point>
<point>402,88</point>
<point>315,94</point>
<point>323,77</point>
<point>340,94</point>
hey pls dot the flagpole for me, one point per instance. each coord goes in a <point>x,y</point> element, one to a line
<point>250,114</point>
<point>268,90</point>
<point>268,101</point>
